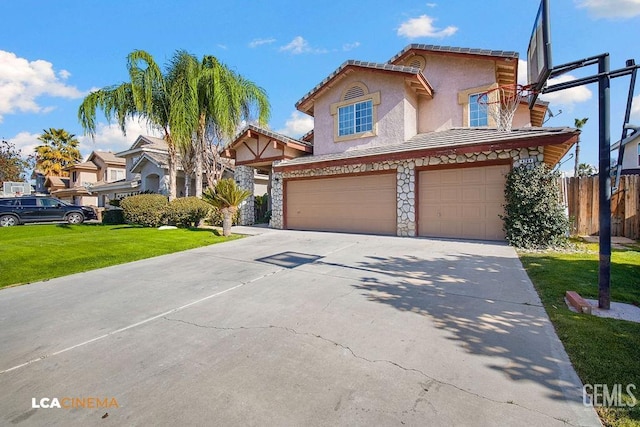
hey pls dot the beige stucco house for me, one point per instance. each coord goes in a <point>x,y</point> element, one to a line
<point>146,164</point>
<point>401,148</point>
<point>101,167</point>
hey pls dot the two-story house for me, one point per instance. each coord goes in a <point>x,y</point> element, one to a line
<point>147,170</point>
<point>100,167</point>
<point>402,148</point>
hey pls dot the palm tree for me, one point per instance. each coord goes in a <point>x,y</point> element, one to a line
<point>58,150</point>
<point>579,124</point>
<point>226,196</point>
<point>213,101</point>
<point>146,95</point>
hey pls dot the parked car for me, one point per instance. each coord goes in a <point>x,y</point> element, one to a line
<point>20,210</point>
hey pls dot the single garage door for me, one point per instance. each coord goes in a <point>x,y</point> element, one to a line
<point>462,203</point>
<point>360,204</point>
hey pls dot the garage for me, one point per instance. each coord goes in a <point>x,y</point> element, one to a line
<point>462,202</point>
<point>355,204</point>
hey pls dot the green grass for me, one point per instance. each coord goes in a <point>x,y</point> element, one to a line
<point>39,252</point>
<point>603,351</point>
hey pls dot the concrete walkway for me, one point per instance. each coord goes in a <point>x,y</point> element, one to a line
<point>291,328</point>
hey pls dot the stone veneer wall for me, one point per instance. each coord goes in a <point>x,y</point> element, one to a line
<point>244,177</point>
<point>405,178</point>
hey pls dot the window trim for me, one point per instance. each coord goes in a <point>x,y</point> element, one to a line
<point>463,99</point>
<point>375,101</point>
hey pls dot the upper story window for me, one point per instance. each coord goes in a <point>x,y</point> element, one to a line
<point>355,114</point>
<point>638,154</point>
<point>477,112</point>
<point>74,176</point>
<point>355,118</point>
<point>116,174</point>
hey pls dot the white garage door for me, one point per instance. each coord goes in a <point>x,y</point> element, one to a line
<point>462,203</point>
<point>360,204</point>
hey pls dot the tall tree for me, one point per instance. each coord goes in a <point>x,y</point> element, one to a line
<point>58,150</point>
<point>146,96</point>
<point>579,124</point>
<point>213,101</point>
<point>12,165</point>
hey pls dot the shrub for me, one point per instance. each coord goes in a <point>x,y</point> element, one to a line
<point>186,211</point>
<point>144,209</point>
<point>534,216</point>
<point>113,217</point>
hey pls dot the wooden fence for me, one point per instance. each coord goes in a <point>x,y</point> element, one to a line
<point>582,198</point>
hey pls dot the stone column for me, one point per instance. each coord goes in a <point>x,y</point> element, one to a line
<point>244,178</point>
<point>277,207</point>
<point>406,214</point>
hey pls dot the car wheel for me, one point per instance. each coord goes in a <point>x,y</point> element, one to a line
<point>75,218</point>
<point>8,221</point>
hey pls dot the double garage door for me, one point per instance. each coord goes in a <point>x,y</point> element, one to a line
<point>457,203</point>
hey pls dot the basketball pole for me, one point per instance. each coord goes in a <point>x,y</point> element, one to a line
<point>604,181</point>
<point>603,78</point>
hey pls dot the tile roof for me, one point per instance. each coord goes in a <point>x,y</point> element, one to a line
<point>270,134</point>
<point>83,165</point>
<point>360,64</point>
<point>109,157</point>
<point>452,138</point>
<point>452,49</point>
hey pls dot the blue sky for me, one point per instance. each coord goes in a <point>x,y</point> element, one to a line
<point>52,53</point>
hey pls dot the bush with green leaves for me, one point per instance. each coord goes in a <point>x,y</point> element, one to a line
<point>144,209</point>
<point>186,211</point>
<point>113,216</point>
<point>534,217</point>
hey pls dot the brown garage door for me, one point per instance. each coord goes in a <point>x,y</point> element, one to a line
<point>361,204</point>
<point>462,203</point>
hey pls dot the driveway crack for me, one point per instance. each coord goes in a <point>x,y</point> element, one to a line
<point>386,361</point>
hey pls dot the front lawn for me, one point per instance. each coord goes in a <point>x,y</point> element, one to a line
<point>603,351</point>
<point>38,252</point>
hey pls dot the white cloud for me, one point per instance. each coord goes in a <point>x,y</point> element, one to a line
<point>610,8</point>
<point>523,79</point>
<point>222,46</point>
<point>109,137</point>
<point>432,4</point>
<point>259,42</point>
<point>350,46</point>
<point>299,45</point>
<point>422,26</point>
<point>297,125</point>
<point>22,82</point>
<point>567,97</point>
<point>635,111</point>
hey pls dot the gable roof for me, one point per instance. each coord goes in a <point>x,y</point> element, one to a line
<point>161,160</point>
<point>455,140</point>
<point>418,81</point>
<point>286,140</point>
<point>83,165</point>
<point>454,51</point>
<point>506,62</point>
<point>107,157</point>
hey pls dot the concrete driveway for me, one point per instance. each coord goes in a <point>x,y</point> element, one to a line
<point>291,328</point>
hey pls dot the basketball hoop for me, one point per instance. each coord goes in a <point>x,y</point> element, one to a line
<point>502,102</point>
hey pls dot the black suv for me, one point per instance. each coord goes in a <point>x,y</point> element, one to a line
<point>20,210</point>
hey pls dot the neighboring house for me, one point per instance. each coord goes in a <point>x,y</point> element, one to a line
<point>631,155</point>
<point>147,170</point>
<point>99,168</point>
<point>401,148</point>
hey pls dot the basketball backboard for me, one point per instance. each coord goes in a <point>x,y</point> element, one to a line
<point>539,52</point>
